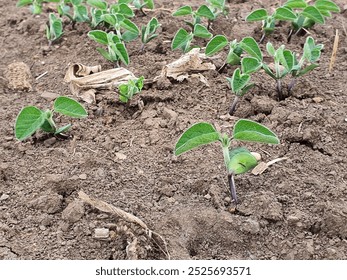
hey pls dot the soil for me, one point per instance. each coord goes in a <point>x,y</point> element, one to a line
<point>123,155</point>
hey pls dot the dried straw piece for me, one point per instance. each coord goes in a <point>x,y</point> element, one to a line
<point>335,47</point>
<point>108,208</point>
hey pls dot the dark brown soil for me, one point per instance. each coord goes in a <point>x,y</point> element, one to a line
<point>297,209</point>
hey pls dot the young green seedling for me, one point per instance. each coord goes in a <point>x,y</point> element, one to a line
<point>54,28</point>
<point>202,12</point>
<point>307,61</point>
<point>30,119</point>
<point>128,90</point>
<point>183,38</point>
<point>148,32</point>
<point>285,62</point>
<point>118,20</point>
<point>98,8</point>
<point>35,5</point>
<point>141,4</point>
<point>281,13</point>
<point>240,82</point>
<point>217,7</point>
<point>219,42</point>
<point>308,15</point>
<point>116,50</point>
<point>237,160</point>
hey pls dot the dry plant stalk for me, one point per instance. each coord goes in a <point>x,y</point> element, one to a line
<point>262,166</point>
<point>108,208</point>
<point>335,47</point>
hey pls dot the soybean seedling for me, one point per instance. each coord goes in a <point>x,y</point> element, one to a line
<point>141,4</point>
<point>285,62</point>
<point>202,12</point>
<point>128,90</point>
<point>35,5</point>
<point>237,160</point>
<point>308,15</point>
<point>30,119</point>
<point>281,13</point>
<point>218,43</point>
<point>183,38</point>
<point>116,50</point>
<point>307,61</point>
<point>54,28</point>
<point>148,32</point>
<point>240,82</point>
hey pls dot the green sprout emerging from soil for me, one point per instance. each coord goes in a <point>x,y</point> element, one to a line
<point>148,32</point>
<point>128,90</point>
<point>54,28</point>
<point>30,119</point>
<point>237,160</point>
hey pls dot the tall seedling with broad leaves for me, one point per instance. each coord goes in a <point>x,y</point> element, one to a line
<point>237,160</point>
<point>183,38</point>
<point>30,119</point>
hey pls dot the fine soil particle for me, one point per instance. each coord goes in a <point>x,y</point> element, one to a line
<point>123,155</point>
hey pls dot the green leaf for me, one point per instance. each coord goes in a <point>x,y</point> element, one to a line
<point>110,19</point>
<point>283,13</point>
<point>257,15</point>
<point>306,70</point>
<point>183,11</point>
<point>201,31</point>
<point>247,130</point>
<point>62,129</point>
<point>149,4</point>
<point>102,5</point>
<point>105,54</point>
<point>69,107</point>
<point>270,49</point>
<point>251,47</point>
<point>250,65</point>
<point>238,81</point>
<point>241,161</point>
<point>22,3</point>
<point>122,53</point>
<point>126,11</point>
<point>327,6</point>
<point>216,44</point>
<point>130,26</point>
<point>313,13</point>
<point>181,40</point>
<point>98,36</point>
<point>205,11</point>
<point>80,13</point>
<point>296,4</point>
<point>128,36</point>
<point>287,60</point>
<point>197,135</point>
<point>312,52</point>
<point>28,121</point>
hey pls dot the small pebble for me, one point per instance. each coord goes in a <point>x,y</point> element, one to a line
<point>83,176</point>
<point>49,142</point>
<point>4,197</point>
<point>101,233</point>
